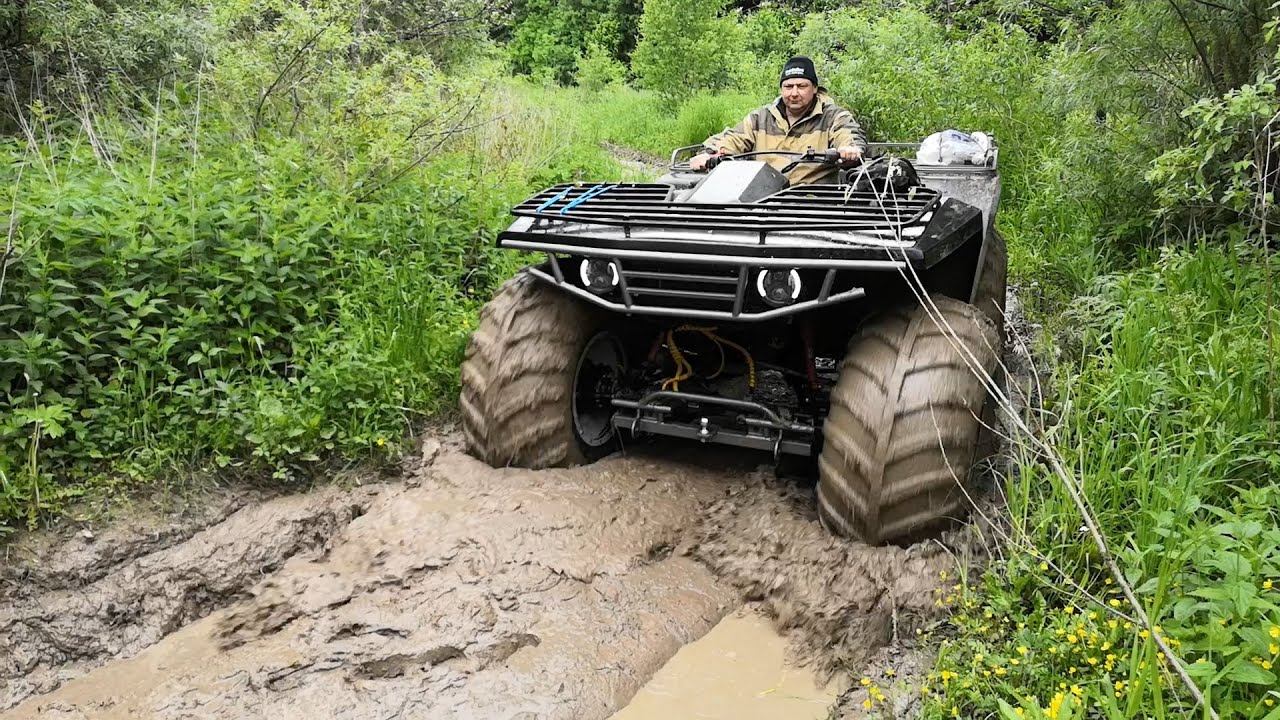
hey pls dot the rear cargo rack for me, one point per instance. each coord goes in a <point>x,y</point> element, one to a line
<point>805,207</point>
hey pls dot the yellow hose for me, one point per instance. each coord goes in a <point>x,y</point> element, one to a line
<point>684,370</point>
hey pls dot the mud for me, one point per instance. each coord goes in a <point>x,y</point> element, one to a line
<point>69,609</point>
<point>459,591</point>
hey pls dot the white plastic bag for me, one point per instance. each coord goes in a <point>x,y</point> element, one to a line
<point>952,147</point>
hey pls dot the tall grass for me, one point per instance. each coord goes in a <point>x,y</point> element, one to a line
<point>1164,409</point>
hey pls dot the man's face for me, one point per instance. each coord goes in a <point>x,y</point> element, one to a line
<point>797,94</point>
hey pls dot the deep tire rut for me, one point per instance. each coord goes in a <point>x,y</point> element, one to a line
<point>137,591</point>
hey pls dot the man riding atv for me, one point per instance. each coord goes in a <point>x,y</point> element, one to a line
<point>803,118</point>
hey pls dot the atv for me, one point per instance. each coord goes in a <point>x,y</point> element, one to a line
<point>846,323</point>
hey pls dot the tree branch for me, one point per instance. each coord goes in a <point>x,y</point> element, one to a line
<point>1200,52</point>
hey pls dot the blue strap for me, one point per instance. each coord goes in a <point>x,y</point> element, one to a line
<point>555,199</point>
<point>594,191</point>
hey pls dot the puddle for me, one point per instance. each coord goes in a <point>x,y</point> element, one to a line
<point>739,671</point>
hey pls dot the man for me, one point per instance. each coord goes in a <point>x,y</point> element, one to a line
<point>802,117</point>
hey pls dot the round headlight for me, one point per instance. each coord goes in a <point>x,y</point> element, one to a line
<point>778,287</point>
<point>598,275</point>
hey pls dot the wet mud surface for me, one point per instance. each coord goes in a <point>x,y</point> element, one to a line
<point>457,591</point>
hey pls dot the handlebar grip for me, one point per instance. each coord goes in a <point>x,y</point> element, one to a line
<point>713,161</point>
<point>831,155</point>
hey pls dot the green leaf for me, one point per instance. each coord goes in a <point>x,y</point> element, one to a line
<point>1243,670</point>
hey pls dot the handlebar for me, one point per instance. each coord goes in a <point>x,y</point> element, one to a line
<point>823,157</point>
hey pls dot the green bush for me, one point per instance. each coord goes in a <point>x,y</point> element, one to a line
<point>597,69</point>
<point>550,38</point>
<point>686,46</point>
<point>240,307</point>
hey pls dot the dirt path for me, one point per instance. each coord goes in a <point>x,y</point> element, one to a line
<point>459,591</point>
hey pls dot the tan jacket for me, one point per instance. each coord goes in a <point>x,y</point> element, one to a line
<point>766,128</point>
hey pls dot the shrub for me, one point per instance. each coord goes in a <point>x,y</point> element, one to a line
<point>597,69</point>
<point>686,46</point>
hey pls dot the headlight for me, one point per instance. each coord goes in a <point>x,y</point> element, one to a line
<point>598,275</point>
<point>778,287</point>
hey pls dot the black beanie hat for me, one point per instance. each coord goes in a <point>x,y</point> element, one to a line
<point>799,67</point>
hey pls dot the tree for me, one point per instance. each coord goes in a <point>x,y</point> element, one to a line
<point>686,46</point>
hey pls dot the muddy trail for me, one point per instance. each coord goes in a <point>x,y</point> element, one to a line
<point>456,591</point>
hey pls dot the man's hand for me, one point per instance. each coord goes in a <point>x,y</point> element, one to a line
<point>698,163</point>
<point>849,153</point>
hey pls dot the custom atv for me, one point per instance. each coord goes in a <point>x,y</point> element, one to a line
<point>841,322</point>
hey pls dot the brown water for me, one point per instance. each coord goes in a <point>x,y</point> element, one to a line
<point>738,671</point>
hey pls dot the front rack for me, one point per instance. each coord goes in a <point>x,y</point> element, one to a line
<point>806,207</point>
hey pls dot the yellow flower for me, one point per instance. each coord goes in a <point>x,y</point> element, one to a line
<point>867,681</point>
<point>1075,690</point>
<point>1269,702</point>
<point>1273,648</point>
<point>1144,634</point>
<point>1019,712</point>
<point>1119,684</point>
<point>1113,624</point>
<point>1070,609</point>
<point>1023,650</point>
<point>1114,602</point>
<point>1055,705</point>
<point>867,703</point>
<point>1093,661</point>
<point>890,672</point>
<point>1266,664</point>
<point>1266,585</point>
<point>1073,639</point>
<point>1275,631</point>
<point>381,441</point>
<point>1001,672</point>
<point>1044,566</point>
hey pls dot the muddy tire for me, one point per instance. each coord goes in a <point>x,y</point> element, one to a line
<point>993,281</point>
<point>903,424</point>
<point>518,376</point>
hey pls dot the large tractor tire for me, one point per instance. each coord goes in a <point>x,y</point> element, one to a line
<point>903,430</point>
<point>518,379</point>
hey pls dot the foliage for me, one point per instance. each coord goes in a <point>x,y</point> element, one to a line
<point>70,51</point>
<point>1222,179</point>
<point>273,265</point>
<point>548,38</point>
<point>686,46</point>
<point>597,69</point>
<point>1167,405</point>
